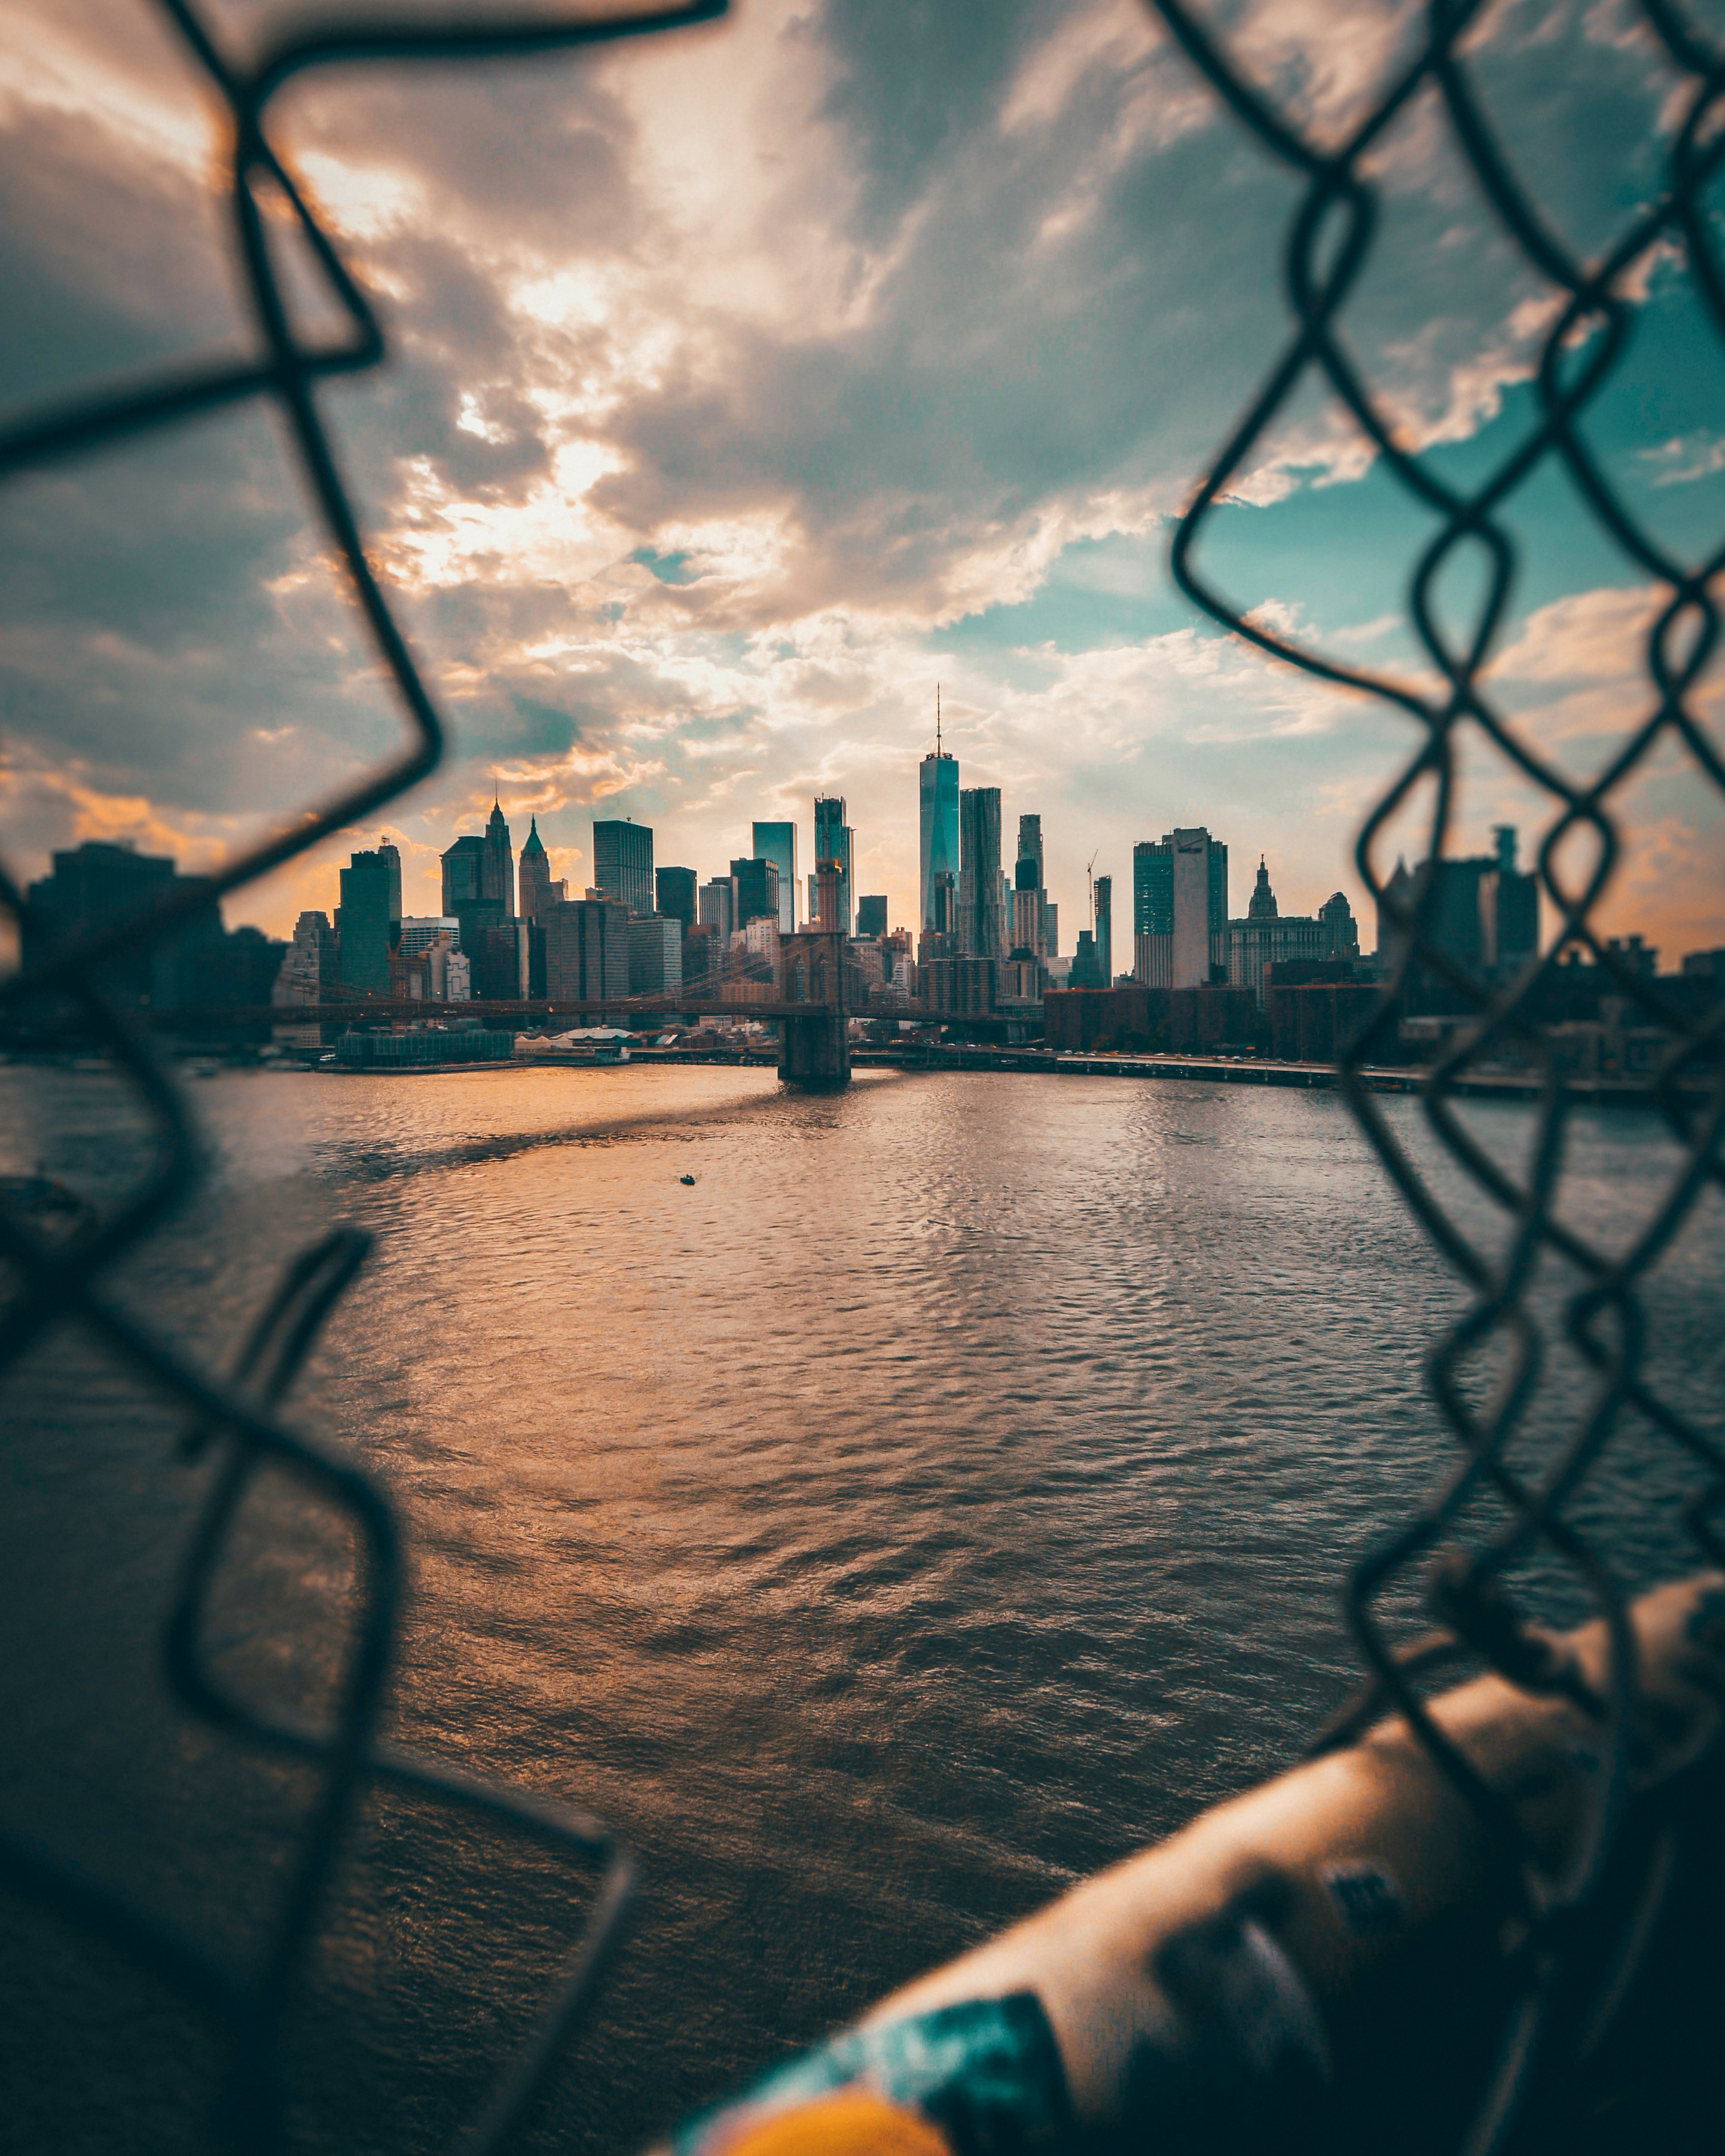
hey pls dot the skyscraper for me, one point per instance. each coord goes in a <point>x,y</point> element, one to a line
<point>365,939</point>
<point>623,863</point>
<point>716,901</point>
<point>498,876</point>
<point>308,975</point>
<point>1509,907</point>
<point>756,883</point>
<point>1104,890</point>
<point>871,915</point>
<point>1480,911</point>
<point>500,956</point>
<point>778,843</point>
<point>982,927</point>
<point>392,863</point>
<point>938,793</point>
<point>832,843</point>
<point>1399,893</point>
<point>464,871</point>
<point>535,876</point>
<point>1029,925</point>
<point>655,956</point>
<point>1180,910</point>
<point>675,891</point>
<point>308,971</point>
<point>1025,932</point>
<point>1341,929</point>
<point>95,885</point>
<point>586,950</point>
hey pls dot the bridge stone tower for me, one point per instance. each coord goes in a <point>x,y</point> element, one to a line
<point>815,1054</point>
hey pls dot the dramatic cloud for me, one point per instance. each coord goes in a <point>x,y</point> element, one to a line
<point>745,384</point>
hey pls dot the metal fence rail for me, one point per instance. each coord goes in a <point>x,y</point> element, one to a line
<point>60,1274</point>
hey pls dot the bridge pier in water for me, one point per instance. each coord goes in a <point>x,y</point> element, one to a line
<point>814,1052</point>
<point>814,1049</point>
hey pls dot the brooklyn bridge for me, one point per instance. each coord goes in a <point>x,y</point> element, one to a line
<point>813,1035</point>
<point>811,995</point>
<point>814,1039</point>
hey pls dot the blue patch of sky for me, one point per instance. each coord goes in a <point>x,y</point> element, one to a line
<point>1097,593</point>
<point>717,726</point>
<point>669,568</point>
<point>1343,554</point>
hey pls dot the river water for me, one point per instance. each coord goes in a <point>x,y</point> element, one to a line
<point>944,1494</point>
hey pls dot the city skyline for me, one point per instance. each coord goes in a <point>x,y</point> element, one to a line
<point>689,529</point>
<point>1188,930</point>
<point>1068,877</point>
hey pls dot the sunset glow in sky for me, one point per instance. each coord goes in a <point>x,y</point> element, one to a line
<point>748,382</point>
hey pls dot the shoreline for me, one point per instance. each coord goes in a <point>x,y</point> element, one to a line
<point>1226,1070</point>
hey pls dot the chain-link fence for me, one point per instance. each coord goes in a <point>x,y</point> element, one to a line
<point>1329,246</point>
<point>58,1266</point>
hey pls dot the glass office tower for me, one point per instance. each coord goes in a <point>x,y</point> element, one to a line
<point>778,843</point>
<point>623,863</point>
<point>939,821</point>
<point>832,843</point>
<point>982,886</point>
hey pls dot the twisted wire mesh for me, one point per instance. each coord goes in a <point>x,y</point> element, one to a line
<point>1328,247</point>
<point>61,1277</point>
<point>61,1270</point>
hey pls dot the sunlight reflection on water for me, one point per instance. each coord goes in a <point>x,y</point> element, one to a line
<point>946,1493</point>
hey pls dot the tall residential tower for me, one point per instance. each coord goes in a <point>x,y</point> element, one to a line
<point>982,889</point>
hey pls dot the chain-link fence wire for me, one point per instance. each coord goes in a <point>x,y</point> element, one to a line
<point>1329,246</point>
<point>59,1270</point>
<point>58,1273</point>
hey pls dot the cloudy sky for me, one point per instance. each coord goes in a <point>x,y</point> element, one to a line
<point>747,384</point>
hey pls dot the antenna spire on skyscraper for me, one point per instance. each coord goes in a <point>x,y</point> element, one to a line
<point>937,718</point>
